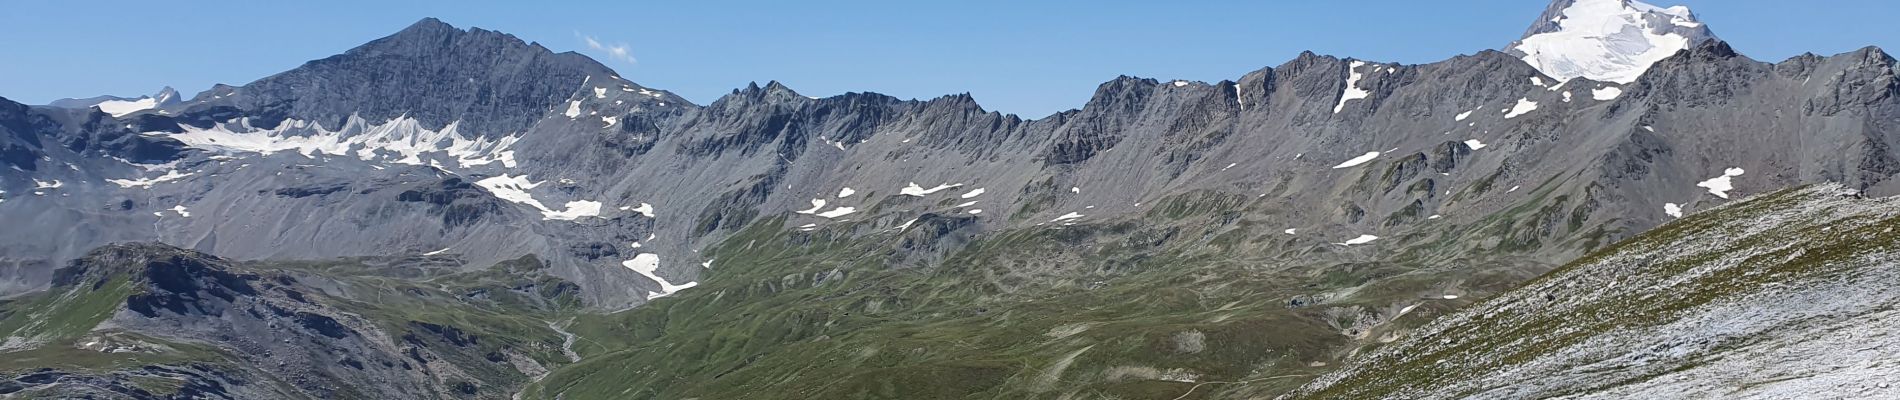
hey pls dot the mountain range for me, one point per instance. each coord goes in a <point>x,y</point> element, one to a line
<point>459,213</point>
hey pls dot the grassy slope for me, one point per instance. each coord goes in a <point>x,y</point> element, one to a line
<point>1103,310</point>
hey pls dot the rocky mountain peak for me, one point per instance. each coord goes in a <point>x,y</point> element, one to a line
<point>1607,40</point>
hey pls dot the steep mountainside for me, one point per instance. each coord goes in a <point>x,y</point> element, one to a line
<point>933,247</point>
<point>1786,295</point>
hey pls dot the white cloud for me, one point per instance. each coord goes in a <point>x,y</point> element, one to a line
<point>614,51</point>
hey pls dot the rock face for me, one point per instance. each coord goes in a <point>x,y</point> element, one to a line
<point>1745,301</point>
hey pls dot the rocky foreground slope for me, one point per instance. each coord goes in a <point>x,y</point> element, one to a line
<point>1787,295</point>
<point>149,321</point>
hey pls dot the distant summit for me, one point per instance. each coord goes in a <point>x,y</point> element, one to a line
<point>1607,40</point>
<point>120,106</point>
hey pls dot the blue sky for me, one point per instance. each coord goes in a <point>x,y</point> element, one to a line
<point>1026,57</point>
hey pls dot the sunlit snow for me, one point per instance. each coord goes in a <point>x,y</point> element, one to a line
<point>1721,185</point>
<point>1524,106</point>
<point>1362,239</point>
<point>1353,92</point>
<point>1606,40</point>
<point>646,264</point>
<point>838,212</point>
<point>920,191</point>
<point>401,140</point>
<point>816,204</point>
<point>119,108</point>
<point>1608,93</point>
<point>1356,161</point>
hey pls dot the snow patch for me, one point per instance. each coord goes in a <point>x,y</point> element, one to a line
<point>1357,161</point>
<point>920,191</point>
<point>838,212</point>
<point>846,192</point>
<point>1607,93</point>
<point>972,193</point>
<point>1721,185</point>
<point>816,204</point>
<point>1353,92</point>
<point>573,109</point>
<point>1673,209</point>
<point>1474,144</point>
<point>171,175</point>
<point>515,189</point>
<point>646,264</point>
<point>1524,106</point>
<point>119,108</point>
<point>1362,239</point>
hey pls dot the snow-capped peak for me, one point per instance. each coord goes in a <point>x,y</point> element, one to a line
<point>1607,40</point>
<point>120,106</point>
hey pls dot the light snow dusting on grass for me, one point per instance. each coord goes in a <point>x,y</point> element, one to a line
<point>1721,185</point>
<point>1357,161</point>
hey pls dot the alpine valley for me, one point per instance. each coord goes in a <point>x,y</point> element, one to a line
<point>1617,205</point>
